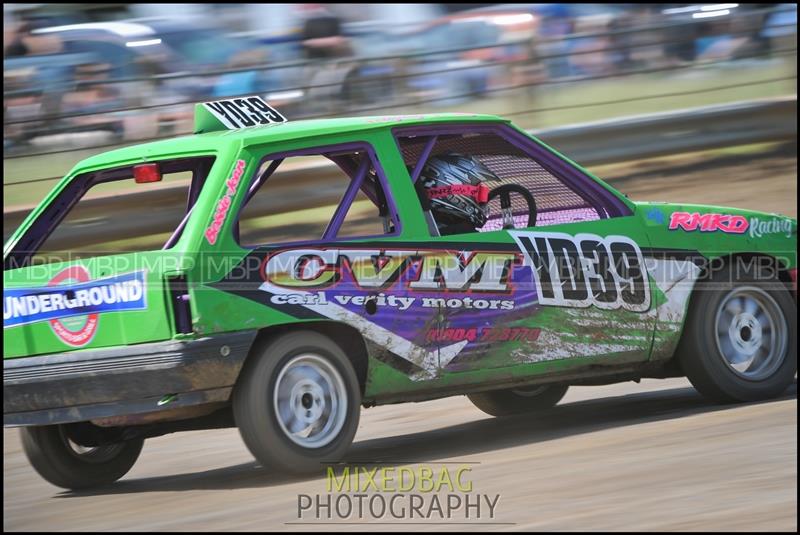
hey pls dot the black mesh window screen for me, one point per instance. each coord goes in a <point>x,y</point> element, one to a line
<point>555,201</point>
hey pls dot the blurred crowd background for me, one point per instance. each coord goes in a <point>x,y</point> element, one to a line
<point>83,76</point>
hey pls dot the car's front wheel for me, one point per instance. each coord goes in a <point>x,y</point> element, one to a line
<point>740,338</point>
<point>65,463</point>
<point>518,400</point>
<point>297,404</point>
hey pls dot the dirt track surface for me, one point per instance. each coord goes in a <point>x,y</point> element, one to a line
<point>653,456</point>
<point>766,182</point>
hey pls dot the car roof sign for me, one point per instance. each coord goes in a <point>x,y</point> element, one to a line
<point>234,114</point>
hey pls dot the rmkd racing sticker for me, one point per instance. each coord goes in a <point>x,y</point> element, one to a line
<point>586,270</point>
<point>731,224</point>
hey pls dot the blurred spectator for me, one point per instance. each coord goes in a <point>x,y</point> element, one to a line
<point>590,55</point>
<point>621,41</point>
<point>322,35</point>
<point>554,26</point>
<point>152,89</point>
<point>21,100</point>
<point>529,75</point>
<point>725,38</point>
<point>36,74</point>
<point>28,43</point>
<point>745,40</point>
<point>780,28</point>
<point>243,82</point>
<point>170,63</point>
<point>92,94</point>
<point>18,46</point>
<point>681,41</point>
<point>643,56</point>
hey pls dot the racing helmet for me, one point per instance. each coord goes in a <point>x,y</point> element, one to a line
<point>457,188</point>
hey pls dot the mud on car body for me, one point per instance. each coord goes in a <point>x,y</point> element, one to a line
<point>283,303</point>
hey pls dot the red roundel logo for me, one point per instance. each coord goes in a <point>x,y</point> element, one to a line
<point>75,331</point>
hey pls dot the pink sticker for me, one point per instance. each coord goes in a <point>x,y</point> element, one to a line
<point>224,204</point>
<point>731,224</point>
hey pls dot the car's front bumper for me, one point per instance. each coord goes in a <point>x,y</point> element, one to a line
<point>103,383</point>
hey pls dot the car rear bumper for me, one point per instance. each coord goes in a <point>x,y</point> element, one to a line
<point>103,383</point>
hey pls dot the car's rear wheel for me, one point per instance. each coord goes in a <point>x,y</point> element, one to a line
<point>518,400</point>
<point>297,404</point>
<point>65,463</point>
<point>740,340</point>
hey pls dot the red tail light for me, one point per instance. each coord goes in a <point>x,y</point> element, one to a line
<point>146,173</point>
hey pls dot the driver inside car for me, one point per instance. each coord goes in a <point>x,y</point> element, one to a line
<point>457,187</point>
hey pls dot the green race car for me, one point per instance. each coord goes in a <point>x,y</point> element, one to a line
<point>310,268</point>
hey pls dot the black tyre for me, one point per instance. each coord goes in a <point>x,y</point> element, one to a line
<point>65,464</point>
<point>740,339</point>
<point>297,403</point>
<point>518,400</point>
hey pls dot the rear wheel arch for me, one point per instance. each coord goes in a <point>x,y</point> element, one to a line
<point>346,337</point>
<point>698,354</point>
<point>721,262</point>
<point>769,261</point>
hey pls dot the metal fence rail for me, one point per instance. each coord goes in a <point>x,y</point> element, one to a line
<point>675,132</point>
<point>150,108</point>
<point>595,143</point>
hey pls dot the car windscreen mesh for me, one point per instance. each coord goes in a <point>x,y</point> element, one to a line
<point>556,203</point>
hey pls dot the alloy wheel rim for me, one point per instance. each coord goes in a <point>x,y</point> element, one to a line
<point>751,333</point>
<point>310,401</point>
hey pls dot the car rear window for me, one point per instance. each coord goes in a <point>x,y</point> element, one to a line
<point>107,212</point>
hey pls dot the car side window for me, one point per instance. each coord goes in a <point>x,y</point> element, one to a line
<point>329,193</point>
<point>500,163</point>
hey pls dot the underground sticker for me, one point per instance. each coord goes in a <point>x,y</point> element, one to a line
<point>586,270</point>
<point>72,303</point>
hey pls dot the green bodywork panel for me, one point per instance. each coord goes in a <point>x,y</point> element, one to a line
<point>630,336</point>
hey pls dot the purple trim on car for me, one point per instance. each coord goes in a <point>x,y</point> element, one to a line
<point>322,150</point>
<point>582,185</point>
<point>173,239</point>
<point>423,158</point>
<point>347,200</point>
<point>195,187</point>
<point>263,178</point>
<point>46,222</point>
<point>350,170</point>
